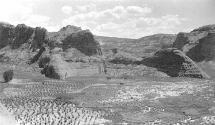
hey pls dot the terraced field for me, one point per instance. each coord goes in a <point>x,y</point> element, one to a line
<point>35,111</point>
<point>85,101</point>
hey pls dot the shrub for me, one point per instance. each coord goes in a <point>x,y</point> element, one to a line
<point>8,75</point>
<point>114,51</point>
<point>44,61</point>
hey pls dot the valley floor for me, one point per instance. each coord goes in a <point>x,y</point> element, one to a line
<point>86,100</point>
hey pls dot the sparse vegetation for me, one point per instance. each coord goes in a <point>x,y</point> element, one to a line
<point>67,113</point>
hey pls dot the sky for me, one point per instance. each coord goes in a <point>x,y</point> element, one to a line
<point>117,18</point>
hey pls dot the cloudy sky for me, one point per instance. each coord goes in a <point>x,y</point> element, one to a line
<point>119,18</point>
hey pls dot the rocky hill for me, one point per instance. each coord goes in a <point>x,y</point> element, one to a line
<point>20,43</point>
<point>15,37</point>
<point>24,44</point>
<point>199,45</point>
<point>174,63</point>
<point>30,40</point>
<point>63,33</point>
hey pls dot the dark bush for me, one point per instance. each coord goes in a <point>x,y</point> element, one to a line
<point>8,75</point>
<point>44,61</point>
<point>114,51</point>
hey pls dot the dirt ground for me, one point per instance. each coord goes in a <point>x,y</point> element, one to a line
<point>184,101</point>
<point>96,100</point>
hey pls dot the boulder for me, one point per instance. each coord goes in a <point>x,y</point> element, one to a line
<point>174,63</point>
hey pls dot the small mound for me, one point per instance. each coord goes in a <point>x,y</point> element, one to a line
<point>56,67</point>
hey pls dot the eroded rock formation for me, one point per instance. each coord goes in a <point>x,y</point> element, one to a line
<point>83,41</point>
<point>31,42</point>
<point>174,63</point>
<point>6,34</point>
<point>21,43</point>
<point>199,44</point>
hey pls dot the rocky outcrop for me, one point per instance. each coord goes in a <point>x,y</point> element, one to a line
<point>174,63</point>
<point>21,44</point>
<point>69,29</point>
<point>83,41</point>
<point>57,37</point>
<point>74,38</point>
<point>15,37</point>
<point>22,35</point>
<point>6,34</point>
<point>31,42</point>
<point>39,38</point>
<point>199,44</point>
<point>36,38</point>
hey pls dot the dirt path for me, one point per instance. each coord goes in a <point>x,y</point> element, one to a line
<point>89,86</point>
